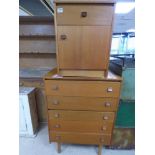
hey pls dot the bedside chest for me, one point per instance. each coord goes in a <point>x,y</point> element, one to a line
<point>83,36</point>
<point>81,110</point>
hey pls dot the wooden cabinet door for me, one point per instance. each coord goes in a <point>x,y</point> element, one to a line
<point>83,47</point>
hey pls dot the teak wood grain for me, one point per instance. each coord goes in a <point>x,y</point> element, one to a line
<point>68,115</point>
<point>85,47</point>
<point>98,14</point>
<point>80,138</point>
<point>82,103</point>
<point>80,126</point>
<point>111,77</point>
<point>82,88</point>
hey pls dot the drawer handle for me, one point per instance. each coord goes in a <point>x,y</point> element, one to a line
<point>84,14</point>
<point>55,87</point>
<point>55,102</point>
<point>56,115</point>
<point>102,140</point>
<point>58,137</point>
<point>107,104</point>
<point>57,126</point>
<point>105,117</point>
<point>63,37</point>
<point>21,84</point>
<point>104,128</point>
<point>109,89</point>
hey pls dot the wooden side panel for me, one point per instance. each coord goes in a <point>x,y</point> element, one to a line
<point>82,88</point>
<point>80,138</point>
<point>98,14</point>
<point>85,47</point>
<point>82,103</point>
<point>67,115</point>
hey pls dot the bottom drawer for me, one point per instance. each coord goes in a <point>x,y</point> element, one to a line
<point>80,138</point>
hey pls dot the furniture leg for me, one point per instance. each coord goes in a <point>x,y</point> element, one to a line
<point>58,147</point>
<point>100,149</point>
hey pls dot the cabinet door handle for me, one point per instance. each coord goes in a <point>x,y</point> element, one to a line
<point>63,37</point>
<point>83,14</point>
<point>55,87</point>
<point>109,89</point>
<point>55,102</point>
<point>107,104</point>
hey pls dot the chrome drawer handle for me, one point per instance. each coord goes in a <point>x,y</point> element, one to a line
<point>57,126</point>
<point>58,137</point>
<point>104,128</point>
<point>21,84</point>
<point>55,102</point>
<point>107,104</point>
<point>55,87</point>
<point>102,140</point>
<point>56,115</point>
<point>105,117</point>
<point>109,89</point>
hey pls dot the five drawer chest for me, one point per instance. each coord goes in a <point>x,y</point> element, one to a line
<point>81,110</point>
<point>82,95</point>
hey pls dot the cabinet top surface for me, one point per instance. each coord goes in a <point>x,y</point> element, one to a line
<point>52,75</point>
<point>84,1</point>
<point>26,90</point>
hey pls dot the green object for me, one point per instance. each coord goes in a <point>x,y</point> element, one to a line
<point>128,84</point>
<point>125,115</point>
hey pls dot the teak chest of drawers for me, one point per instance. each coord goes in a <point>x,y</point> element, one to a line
<point>83,36</point>
<point>81,110</point>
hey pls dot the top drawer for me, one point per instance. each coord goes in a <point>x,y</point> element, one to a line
<point>84,14</point>
<point>82,88</point>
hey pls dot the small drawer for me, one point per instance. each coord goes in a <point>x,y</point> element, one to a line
<point>80,138</point>
<point>82,103</point>
<point>84,14</point>
<point>80,126</point>
<point>67,115</point>
<point>82,88</point>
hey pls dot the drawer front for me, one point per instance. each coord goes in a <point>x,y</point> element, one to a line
<point>80,126</point>
<point>82,103</point>
<point>80,138</point>
<point>73,14</point>
<point>67,115</point>
<point>82,88</point>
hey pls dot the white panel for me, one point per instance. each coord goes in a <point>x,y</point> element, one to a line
<point>27,112</point>
<point>22,121</point>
